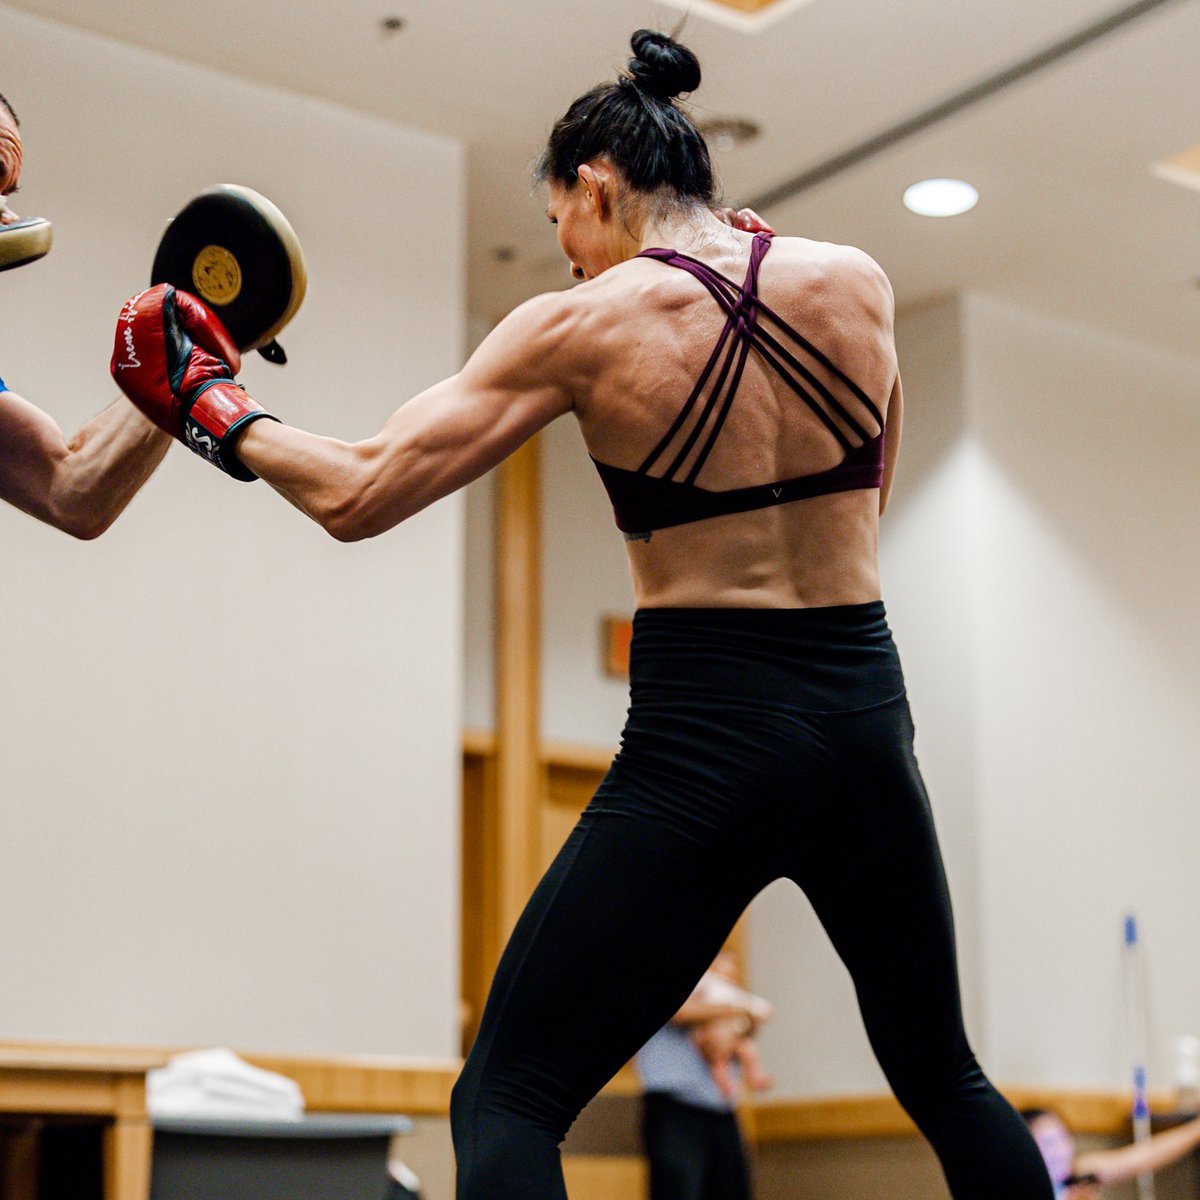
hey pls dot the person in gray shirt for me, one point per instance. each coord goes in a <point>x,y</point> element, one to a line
<point>693,1071</point>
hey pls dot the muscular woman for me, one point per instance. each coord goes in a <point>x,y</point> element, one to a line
<point>740,397</point>
<point>82,485</point>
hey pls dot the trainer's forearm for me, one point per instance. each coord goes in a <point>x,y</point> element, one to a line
<point>106,464</point>
<point>80,486</point>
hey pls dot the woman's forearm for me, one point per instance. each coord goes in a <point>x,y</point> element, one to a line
<point>330,481</point>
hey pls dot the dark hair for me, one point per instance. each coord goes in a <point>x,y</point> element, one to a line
<point>1029,1115</point>
<point>635,123</point>
<point>11,111</point>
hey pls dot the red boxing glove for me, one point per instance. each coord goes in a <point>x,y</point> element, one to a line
<point>173,358</point>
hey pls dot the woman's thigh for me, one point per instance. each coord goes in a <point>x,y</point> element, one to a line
<point>632,911</point>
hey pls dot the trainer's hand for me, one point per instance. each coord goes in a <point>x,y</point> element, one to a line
<point>745,219</point>
<point>173,358</point>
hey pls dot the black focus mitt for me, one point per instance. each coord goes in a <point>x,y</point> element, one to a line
<point>236,251</point>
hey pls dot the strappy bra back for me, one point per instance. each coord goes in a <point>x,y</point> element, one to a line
<point>643,502</point>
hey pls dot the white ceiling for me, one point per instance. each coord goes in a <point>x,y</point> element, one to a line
<point>1070,220</point>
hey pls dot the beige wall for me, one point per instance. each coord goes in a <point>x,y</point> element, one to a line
<point>1037,571</point>
<point>228,745</point>
<point>1089,696</point>
<point>585,576</point>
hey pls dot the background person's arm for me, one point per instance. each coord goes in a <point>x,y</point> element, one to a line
<point>79,486</point>
<point>719,994</point>
<point>1128,1162</point>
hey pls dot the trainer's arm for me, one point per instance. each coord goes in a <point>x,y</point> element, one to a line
<point>891,443</point>
<point>513,385</point>
<point>83,485</point>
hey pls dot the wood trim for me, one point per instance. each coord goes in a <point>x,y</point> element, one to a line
<point>56,1077</point>
<point>624,1083</point>
<point>518,671</point>
<point>479,743</point>
<point>603,1175</point>
<point>108,1080</point>
<point>79,1059</point>
<point>128,1143</point>
<point>412,1086</point>
<point>832,1118</point>
<point>828,1118</point>
<point>44,1092</point>
<point>1104,1112</point>
<point>571,756</point>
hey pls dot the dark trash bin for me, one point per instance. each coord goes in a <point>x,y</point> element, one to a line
<point>320,1157</point>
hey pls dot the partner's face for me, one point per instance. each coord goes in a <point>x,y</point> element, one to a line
<point>10,160</point>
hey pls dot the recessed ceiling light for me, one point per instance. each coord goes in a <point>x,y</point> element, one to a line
<point>748,16</point>
<point>940,198</point>
<point>727,133</point>
<point>1183,169</point>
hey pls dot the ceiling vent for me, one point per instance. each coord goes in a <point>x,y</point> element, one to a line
<point>749,16</point>
<point>1183,169</point>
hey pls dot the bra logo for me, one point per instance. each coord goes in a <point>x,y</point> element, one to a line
<point>777,492</point>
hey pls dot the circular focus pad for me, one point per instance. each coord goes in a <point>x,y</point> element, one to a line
<point>236,251</point>
<point>24,241</point>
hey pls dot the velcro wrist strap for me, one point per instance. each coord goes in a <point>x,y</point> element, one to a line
<point>220,413</point>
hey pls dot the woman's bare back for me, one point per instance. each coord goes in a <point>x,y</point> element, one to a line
<point>645,332</point>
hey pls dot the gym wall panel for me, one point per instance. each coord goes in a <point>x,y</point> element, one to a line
<point>229,746</point>
<point>1089,689</point>
<point>585,575</point>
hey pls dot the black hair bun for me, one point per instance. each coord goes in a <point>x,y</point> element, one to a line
<point>661,67</point>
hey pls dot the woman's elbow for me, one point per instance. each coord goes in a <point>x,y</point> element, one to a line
<point>346,528</point>
<point>341,519</point>
<point>365,501</point>
<point>354,517</point>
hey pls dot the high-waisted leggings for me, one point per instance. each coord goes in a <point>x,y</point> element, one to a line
<point>760,744</point>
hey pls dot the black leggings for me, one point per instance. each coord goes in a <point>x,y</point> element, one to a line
<point>760,744</point>
<point>694,1153</point>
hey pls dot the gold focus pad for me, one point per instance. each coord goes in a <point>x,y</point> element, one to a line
<point>235,250</point>
<point>217,276</point>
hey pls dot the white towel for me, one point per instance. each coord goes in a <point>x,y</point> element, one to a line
<point>216,1083</point>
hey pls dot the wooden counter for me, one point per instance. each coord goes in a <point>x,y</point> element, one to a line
<point>109,1083</point>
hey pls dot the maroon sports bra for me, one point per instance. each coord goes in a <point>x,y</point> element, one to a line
<point>643,502</point>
